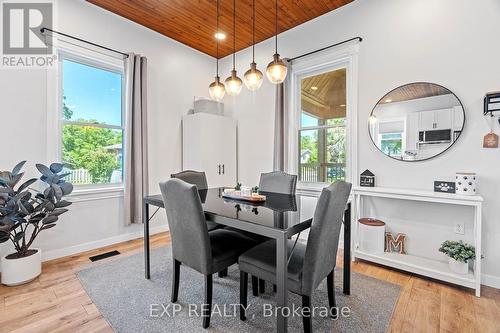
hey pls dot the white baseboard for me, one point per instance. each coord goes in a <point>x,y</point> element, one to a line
<point>68,251</point>
<point>490,281</point>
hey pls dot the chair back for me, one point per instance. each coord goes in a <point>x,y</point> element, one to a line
<point>277,182</point>
<point>321,250</point>
<point>193,177</point>
<point>187,224</point>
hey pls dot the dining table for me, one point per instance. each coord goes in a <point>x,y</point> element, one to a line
<point>279,217</point>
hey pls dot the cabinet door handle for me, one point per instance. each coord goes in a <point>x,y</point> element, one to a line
<point>223,168</point>
<point>218,168</point>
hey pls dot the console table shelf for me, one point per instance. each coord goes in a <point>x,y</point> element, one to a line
<point>412,263</point>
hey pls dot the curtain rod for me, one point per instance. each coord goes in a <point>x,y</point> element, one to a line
<point>43,30</point>
<point>326,47</point>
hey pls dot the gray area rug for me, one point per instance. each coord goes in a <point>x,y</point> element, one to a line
<point>130,303</point>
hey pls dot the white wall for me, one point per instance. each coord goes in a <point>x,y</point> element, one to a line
<point>176,73</point>
<point>449,42</point>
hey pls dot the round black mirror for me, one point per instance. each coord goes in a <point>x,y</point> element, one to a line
<point>416,122</point>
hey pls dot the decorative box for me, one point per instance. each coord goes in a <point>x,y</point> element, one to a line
<point>465,183</point>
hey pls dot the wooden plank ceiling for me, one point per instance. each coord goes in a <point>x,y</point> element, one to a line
<point>323,96</point>
<point>193,22</point>
<point>414,91</point>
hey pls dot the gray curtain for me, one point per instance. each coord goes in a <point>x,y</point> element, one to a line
<point>281,123</point>
<point>135,146</point>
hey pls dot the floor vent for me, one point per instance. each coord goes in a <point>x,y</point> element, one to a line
<point>104,255</point>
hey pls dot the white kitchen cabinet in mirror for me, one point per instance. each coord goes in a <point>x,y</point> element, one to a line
<point>416,121</point>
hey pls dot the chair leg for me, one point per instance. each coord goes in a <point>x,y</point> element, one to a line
<point>262,286</point>
<point>306,319</point>
<point>255,286</point>
<point>243,294</point>
<point>223,273</point>
<point>175,280</point>
<point>330,284</point>
<point>207,310</point>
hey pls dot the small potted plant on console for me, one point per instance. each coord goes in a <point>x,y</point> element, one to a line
<point>459,254</point>
<point>24,213</point>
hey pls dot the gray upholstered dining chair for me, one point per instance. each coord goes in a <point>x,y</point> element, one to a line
<point>192,245</point>
<point>274,182</point>
<point>199,179</point>
<point>309,264</point>
<point>193,177</point>
<point>278,182</point>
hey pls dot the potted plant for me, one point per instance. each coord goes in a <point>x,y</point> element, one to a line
<point>24,213</point>
<point>459,254</point>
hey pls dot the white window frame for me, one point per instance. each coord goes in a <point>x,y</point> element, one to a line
<point>55,120</point>
<point>345,56</point>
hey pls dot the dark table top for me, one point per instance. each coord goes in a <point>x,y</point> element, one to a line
<point>279,211</point>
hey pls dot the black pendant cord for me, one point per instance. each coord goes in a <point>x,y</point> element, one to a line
<point>276,38</point>
<point>44,30</point>
<point>217,43</point>
<point>253,33</point>
<point>326,47</point>
<point>234,34</point>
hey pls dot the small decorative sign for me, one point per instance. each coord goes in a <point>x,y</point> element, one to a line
<point>444,187</point>
<point>395,245</point>
<point>490,140</point>
<point>367,179</point>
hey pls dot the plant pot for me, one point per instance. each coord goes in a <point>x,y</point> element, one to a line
<point>458,266</point>
<point>21,270</point>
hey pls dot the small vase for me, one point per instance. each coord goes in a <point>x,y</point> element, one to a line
<point>21,270</point>
<point>458,266</point>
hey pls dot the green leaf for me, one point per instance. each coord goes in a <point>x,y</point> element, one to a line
<point>18,236</point>
<point>4,236</point>
<point>18,168</point>
<point>58,212</point>
<point>44,171</point>
<point>26,184</point>
<point>57,191</point>
<point>23,209</point>
<point>66,188</point>
<point>48,226</point>
<point>50,219</point>
<point>62,204</point>
<point>56,167</point>
<point>15,179</point>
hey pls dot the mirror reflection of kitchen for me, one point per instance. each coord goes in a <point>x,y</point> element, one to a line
<point>416,121</point>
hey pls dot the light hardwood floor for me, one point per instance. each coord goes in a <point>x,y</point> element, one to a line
<point>56,302</point>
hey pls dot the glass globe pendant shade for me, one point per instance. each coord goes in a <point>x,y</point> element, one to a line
<point>276,70</point>
<point>233,84</point>
<point>253,77</point>
<point>217,90</point>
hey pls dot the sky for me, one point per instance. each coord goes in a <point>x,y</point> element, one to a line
<point>92,93</point>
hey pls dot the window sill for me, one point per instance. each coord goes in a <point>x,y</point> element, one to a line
<point>92,193</point>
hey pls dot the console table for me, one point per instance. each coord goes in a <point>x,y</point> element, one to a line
<point>412,263</point>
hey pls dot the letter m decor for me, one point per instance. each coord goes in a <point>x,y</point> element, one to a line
<point>395,245</point>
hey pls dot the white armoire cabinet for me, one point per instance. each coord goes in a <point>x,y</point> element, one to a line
<point>209,145</point>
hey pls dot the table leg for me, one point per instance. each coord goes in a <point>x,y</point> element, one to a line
<point>145,219</point>
<point>347,250</point>
<point>281,281</point>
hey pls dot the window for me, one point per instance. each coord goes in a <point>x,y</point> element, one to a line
<point>322,131</point>
<point>391,144</point>
<point>91,121</point>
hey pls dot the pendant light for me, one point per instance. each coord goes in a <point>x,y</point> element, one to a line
<point>216,88</point>
<point>253,77</point>
<point>234,83</point>
<point>276,70</point>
